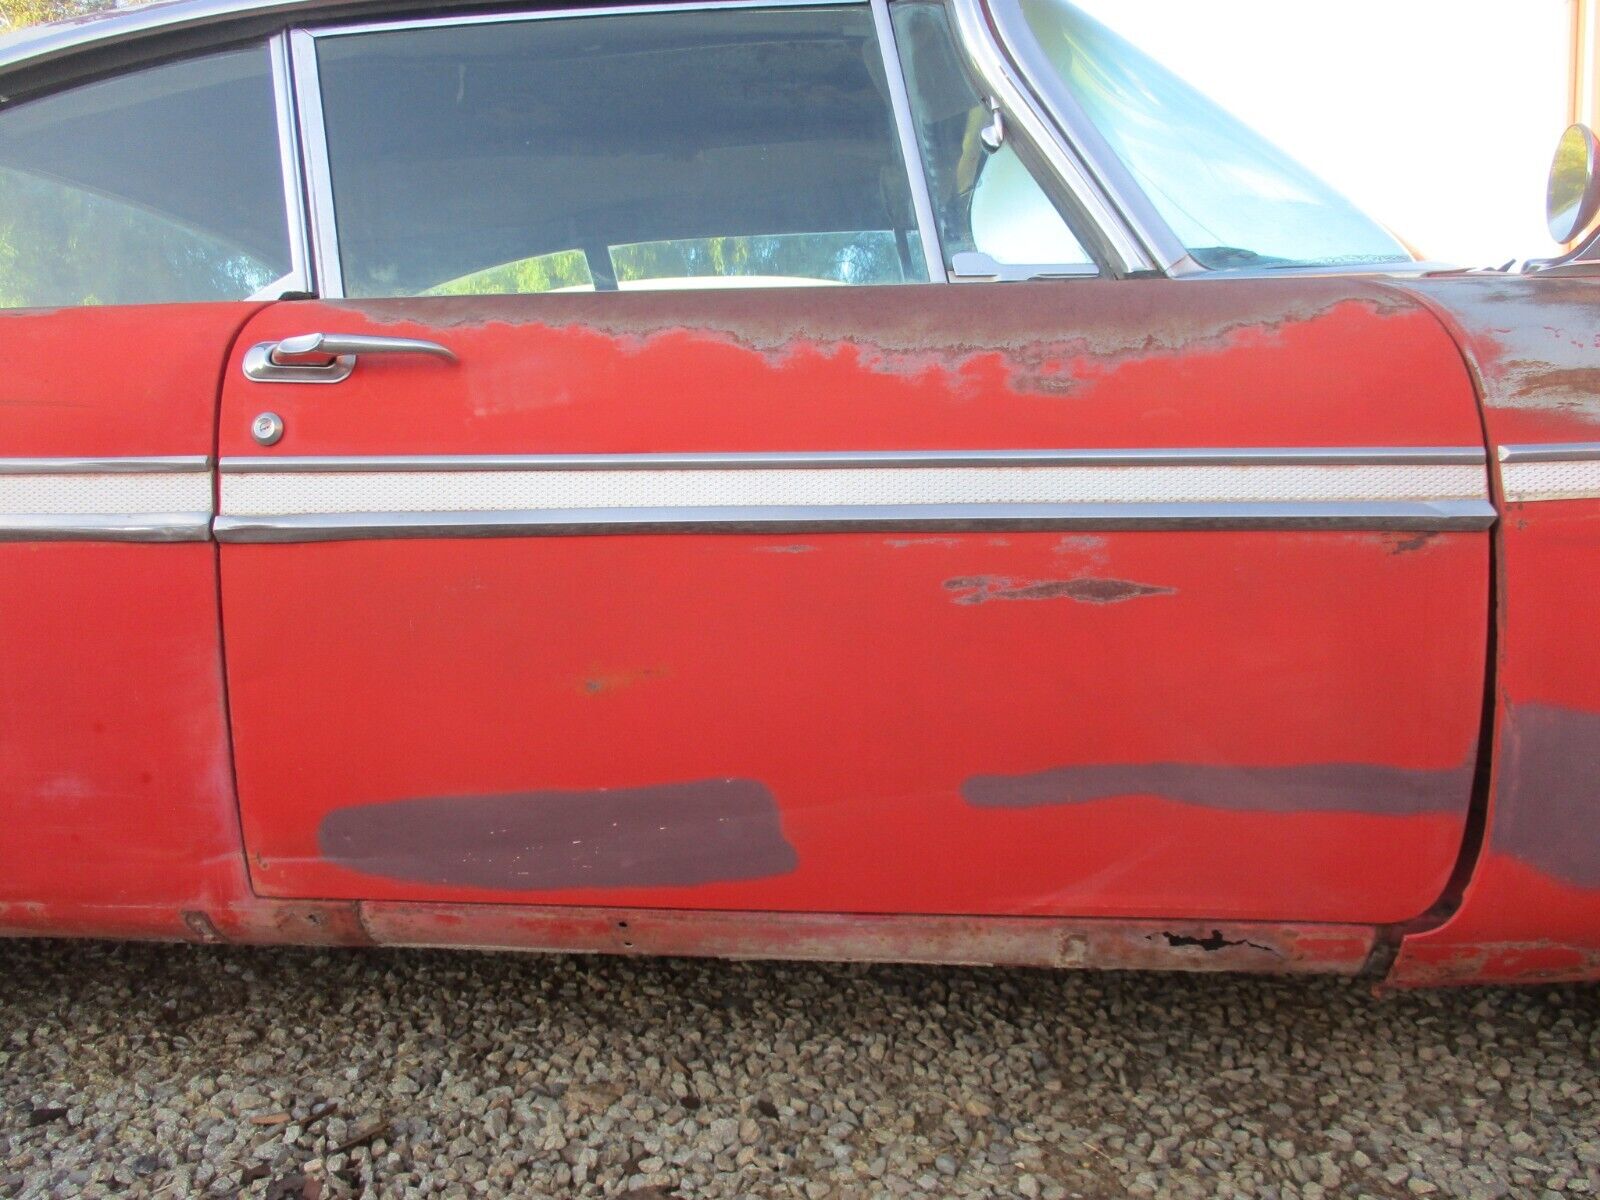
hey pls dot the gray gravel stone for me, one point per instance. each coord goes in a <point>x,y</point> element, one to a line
<point>213,1071</point>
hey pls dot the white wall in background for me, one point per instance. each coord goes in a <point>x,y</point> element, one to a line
<point>1438,117</point>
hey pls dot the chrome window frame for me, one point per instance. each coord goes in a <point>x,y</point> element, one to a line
<point>1120,251</point>
<point>299,278</point>
<point>1119,226</point>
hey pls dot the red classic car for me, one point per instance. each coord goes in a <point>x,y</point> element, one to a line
<point>887,479</point>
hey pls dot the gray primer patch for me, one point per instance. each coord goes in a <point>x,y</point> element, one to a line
<point>982,588</point>
<point>670,835</point>
<point>1315,787</point>
<point>1547,810</point>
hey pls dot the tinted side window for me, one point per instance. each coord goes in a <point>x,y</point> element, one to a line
<point>985,200</point>
<point>159,185</point>
<point>689,149</point>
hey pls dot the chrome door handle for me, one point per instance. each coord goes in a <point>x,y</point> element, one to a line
<point>326,357</point>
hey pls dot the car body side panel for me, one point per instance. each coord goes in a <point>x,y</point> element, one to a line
<point>1531,910</point>
<point>115,772</point>
<point>1250,725</point>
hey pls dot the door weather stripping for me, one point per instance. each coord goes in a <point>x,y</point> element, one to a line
<point>266,499</point>
<point>149,499</point>
<point>1550,471</point>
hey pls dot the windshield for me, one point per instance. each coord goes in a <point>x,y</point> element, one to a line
<point>1230,196</point>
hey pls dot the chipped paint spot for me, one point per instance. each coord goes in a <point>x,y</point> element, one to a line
<point>1314,787</point>
<point>797,548</point>
<point>903,543</point>
<point>1406,543</point>
<point>1547,807</point>
<point>980,589</point>
<point>600,682</point>
<point>668,835</point>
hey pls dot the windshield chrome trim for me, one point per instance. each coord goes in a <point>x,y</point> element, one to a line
<point>987,56</point>
<point>1100,162</point>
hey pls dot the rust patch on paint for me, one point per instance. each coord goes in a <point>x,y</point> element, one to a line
<point>1406,543</point>
<point>914,332</point>
<point>1547,806</point>
<point>1530,340</point>
<point>980,589</point>
<point>1314,787</point>
<point>668,835</point>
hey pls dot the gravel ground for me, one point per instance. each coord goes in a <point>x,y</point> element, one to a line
<point>178,1071</point>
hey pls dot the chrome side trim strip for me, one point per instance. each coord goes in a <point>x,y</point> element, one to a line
<point>1550,452</point>
<point>145,527</point>
<point>1401,516</point>
<point>291,499</point>
<point>159,498</point>
<point>1204,456</point>
<point>1550,471</point>
<point>158,464</point>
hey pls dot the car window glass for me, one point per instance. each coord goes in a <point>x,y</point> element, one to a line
<point>984,200</point>
<point>1233,198</point>
<point>678,149</point>
<point>159,185</point>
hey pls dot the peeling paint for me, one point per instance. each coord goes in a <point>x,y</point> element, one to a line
<point>1530,339</point>
<point>1407,543</point>
<point>1314,787</point>
<point>669,835</point>
<point>917,332</point>
<point>980,589</point>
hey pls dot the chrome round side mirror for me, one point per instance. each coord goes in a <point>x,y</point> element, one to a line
<point>1573,198</point>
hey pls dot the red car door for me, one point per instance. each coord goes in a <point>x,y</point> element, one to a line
<point>1087,597</point>
<point>123,277</point>
<point>938,599</point>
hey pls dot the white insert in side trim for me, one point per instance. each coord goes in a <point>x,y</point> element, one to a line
<point>1555,471</point>
<point>292,494</point>
<point>122,499</point>
<point>289,499</point>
